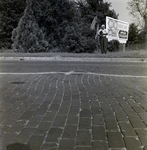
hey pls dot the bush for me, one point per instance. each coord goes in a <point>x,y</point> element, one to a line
<point>113,46</point>
<point>78,38</point>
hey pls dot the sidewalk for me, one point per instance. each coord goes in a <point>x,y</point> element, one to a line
<point>128,56</point>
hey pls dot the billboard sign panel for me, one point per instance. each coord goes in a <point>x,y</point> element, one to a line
<point>117,29</point>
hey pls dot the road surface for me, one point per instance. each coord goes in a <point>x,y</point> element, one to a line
<point>73,105</point>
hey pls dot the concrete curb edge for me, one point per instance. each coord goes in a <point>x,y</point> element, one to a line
<point>84,59</point>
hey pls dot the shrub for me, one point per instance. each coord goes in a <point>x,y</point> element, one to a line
<point>113,45</point>
<point>78,38</point>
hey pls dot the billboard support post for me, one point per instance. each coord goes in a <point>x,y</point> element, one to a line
<point>124,47</point>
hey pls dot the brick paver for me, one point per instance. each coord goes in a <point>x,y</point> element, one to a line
<point>73,112</point>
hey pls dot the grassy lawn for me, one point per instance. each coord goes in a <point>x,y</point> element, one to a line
<point>96,54</point>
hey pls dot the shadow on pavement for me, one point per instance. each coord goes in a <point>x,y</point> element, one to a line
<point>17,146</point>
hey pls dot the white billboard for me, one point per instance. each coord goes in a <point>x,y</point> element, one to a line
<point>117,29</point>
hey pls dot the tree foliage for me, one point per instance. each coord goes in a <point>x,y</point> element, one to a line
<point>99,8</point>
<point>138,9</point>
<point>134,34</point>
<point>63,24</point>
<point>53,16</point>
<point>28,37</point>
<point>10,13</point>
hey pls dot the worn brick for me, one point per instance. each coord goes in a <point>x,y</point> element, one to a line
<point>66,144</point>
<point>24,135</point>
<point>72,120</point>
<point>129,111</point>
<point>54,134</point>
<point>45,104</point>
<point>76,102</point>
<point>35,142</point>
<point>33,107</point>
<point>94,103</point>
<point>127,129</point>
<point>74,110</point>
<point>121,116</point>
<point>43,128</point>
<point>10,139</point>
<point>142,134</point>
<point>50,146</point>
<point>137,122</point>
<point>64,108</point>
<point>98,133</point>
<point>96,110</point>
<point>34,121</point>
<point>83,138</point>
<point>8,121</point>
<point>17,127</point>
<point>49,116</point>
<point>138,109</point>
<point>100,145</point>
<point>17,146</point>
<point>85,105</point>
<point>59,121</point>
<point>109,115</point>
<point>57,100</point>
<point>70,131</point>
<point>85,113</point>
<point>143,116</point>
<point>115,140</point>
<point>26,115</point>
<point>63,111</point>
<point>41,111</point>
<point>132,143</point>
<point>98,120</point>
<point>83,148</point>
<point>85,123</point>
<point>54,107</point>
<point>111,125</point>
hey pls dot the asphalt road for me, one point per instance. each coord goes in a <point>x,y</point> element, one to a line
<point>134,69</point>
<point>73,105</point>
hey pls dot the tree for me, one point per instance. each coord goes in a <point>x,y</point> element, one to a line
<point>50,15</point>
<point>98,9</point>
<point>28,37</point>
<point>58,24</point>
<point>138,9</point>
<point>91,8</point>
<point>134,35</point>
<point>10,13</point>
<point>63,26</point>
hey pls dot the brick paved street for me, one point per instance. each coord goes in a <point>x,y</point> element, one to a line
<point>67,110</point>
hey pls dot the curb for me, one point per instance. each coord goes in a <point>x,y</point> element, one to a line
<point>84,59</point>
